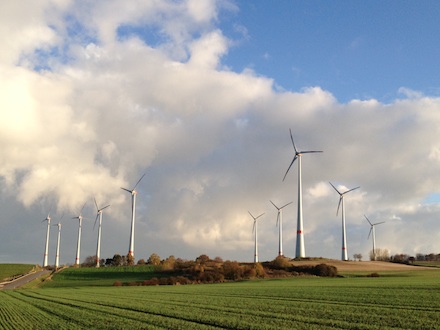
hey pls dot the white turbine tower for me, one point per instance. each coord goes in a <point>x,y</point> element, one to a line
<point>280,226</point>
<point>46,250</point>
<point>57,254</point>
<point>372,230</point>
<point>344,232</point>
<point>78,245</point>
<point>300,250</point>
<point>98,246</point>
<point>133,193</point>
<point>255,230</point>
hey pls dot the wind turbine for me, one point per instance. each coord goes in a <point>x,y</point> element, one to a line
<point>133,193</point>
<point>280,228</point>
<point>57,254</point>
<point>46,250</point>
<point>98,246</point>
<point>344,233</point>
<point>374,234</point>
<point>78,245</point>
<point>254,229</point>
<point>300,250</point>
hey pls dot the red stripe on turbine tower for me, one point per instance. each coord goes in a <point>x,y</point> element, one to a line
<point>299,232</point>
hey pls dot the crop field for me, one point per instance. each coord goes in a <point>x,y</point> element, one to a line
<point>399,301</point>
<point>104,276</point>
<point>11,270</point>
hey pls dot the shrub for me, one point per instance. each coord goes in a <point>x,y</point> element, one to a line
<point>232,270</point>
<point>117,283</point>
<point>325,270</point>
<point>152,281</point>
<point>373,275</point>
<point>259,270</point>
<point>280,262</point>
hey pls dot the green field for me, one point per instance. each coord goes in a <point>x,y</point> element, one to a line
<point>405,300</point>
<point>104,276</point>
<point>11,270</point>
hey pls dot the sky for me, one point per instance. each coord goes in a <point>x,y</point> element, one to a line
<point>200,95</point>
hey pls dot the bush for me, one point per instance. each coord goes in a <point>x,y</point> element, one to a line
<point>324,270</point>
<point>232,270</point>
<point>280,262</point>
<point>117,283</point>
<point>259,270</point>
<point>373,275</point>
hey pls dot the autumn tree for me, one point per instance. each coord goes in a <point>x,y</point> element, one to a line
<point>117,260</point>
<point>169,263</point>
<point>154,259</point>
<point>129,260</point>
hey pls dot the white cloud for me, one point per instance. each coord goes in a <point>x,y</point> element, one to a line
<point>214,144</point>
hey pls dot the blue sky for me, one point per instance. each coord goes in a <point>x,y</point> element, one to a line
<point>354,49</point>
<point>200,96</point>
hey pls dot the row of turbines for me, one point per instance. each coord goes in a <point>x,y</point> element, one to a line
<point>300,249</point>
<point>80,218</point>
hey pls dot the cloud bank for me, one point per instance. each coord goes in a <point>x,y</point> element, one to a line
<point>93,95</point>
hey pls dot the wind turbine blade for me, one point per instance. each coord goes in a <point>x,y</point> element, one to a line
<point>278,218</point>
<point>371,229</point>
<point>97,216</point>
<point>339,204</point>
<point>285,205</point>
<point>294,146</point>
<point>335,188</point>
<point>259,216</point>
<point>130,191</point>
<point>138,181</point>
<point>368,220</point>
<point>82,208</point>
<point>310,151</point>
<point>378,223</point>
<point>294,158</point>
<point>351,190</point>
<point>104,207</point>
<point>253,227</point>
<point>251,215</point>
<point>96,204</point>
<point>274,204</point>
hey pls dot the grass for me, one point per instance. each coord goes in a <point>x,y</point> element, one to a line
<point>8,271</point>
<point>407,300</point>
<point>104,276</point>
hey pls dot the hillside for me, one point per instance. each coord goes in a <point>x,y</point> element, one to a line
<point>361,266</point>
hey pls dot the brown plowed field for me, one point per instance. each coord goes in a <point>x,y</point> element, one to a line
<point>361,266</point>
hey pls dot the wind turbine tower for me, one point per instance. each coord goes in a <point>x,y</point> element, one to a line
<point>300,250</point>
<point>280,226</point>
<point>372,230</point>
<point>255,230</point>
<point>78,245</point>
<point>98,246</point>
<point>46,250</point>
<point>133,193</point>
<point>57,254</point>
<point>344,232</point>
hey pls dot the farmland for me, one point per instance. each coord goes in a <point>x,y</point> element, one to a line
<point>12,270</point>
<point>403,299</point>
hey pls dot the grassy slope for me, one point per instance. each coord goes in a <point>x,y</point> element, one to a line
<point>107,276</point>
<point>104,276</point>
<point>11,270</point>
